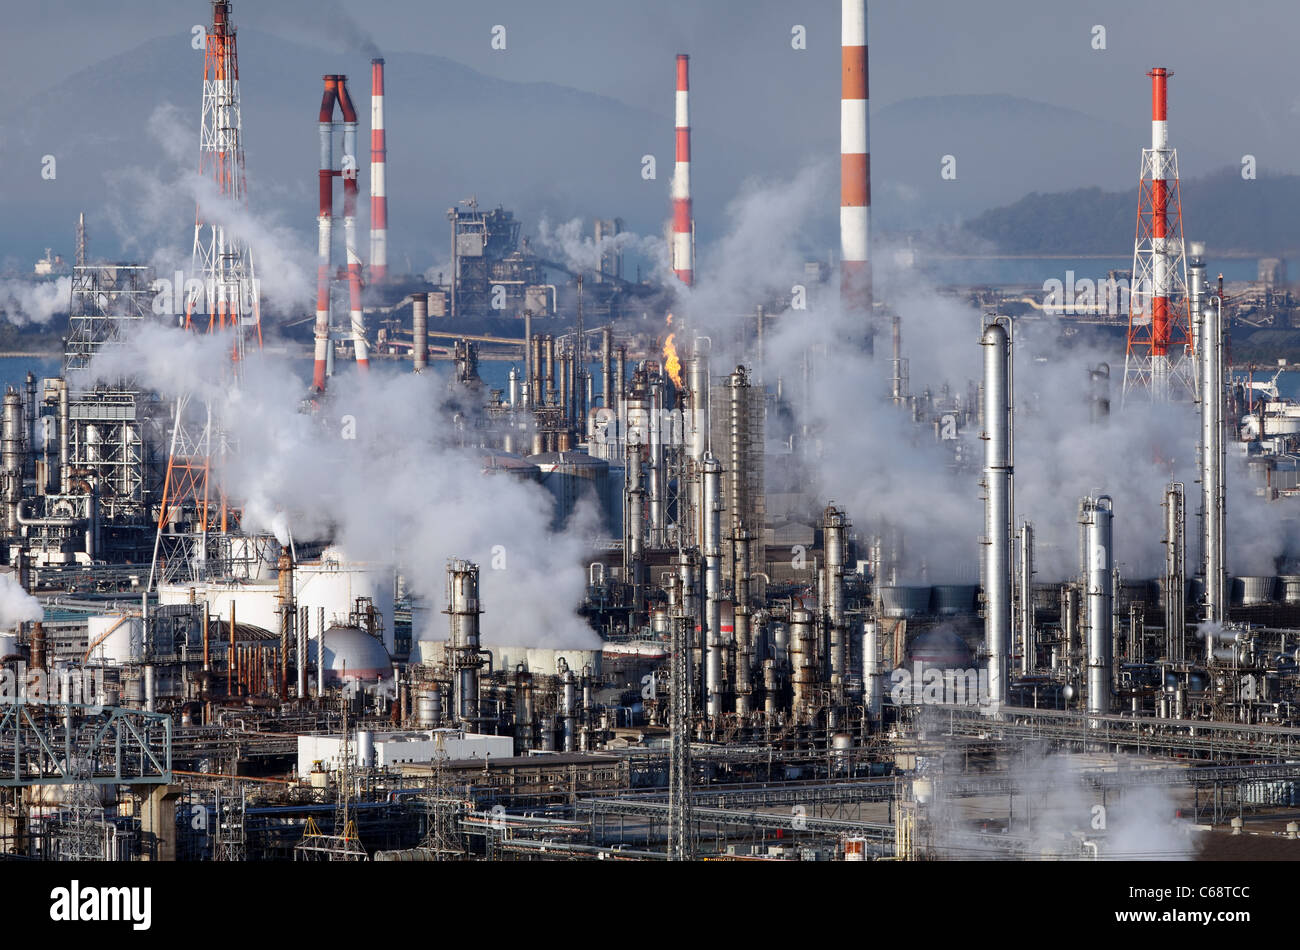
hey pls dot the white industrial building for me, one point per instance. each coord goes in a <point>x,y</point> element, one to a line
<point>382,749</point>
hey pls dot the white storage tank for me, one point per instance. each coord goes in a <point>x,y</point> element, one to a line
<point>8,645</point>
<point>114,639</point>
<point>335,583</point>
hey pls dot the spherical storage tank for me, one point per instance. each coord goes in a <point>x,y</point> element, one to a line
<point>353,654</point>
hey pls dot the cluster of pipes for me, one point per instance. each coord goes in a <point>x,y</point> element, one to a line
<point>68,499</point>
<point>336,95</point>
<point>550,713</point>
<point>1088,604</point>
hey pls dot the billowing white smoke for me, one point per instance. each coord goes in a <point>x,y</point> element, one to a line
<point>29,301</point>
<point>582,252</point>
<point>880,466</point>
<point>377,471</point>
<point>16,605</point>
<point>1057,812</point>
<point>146,217</point>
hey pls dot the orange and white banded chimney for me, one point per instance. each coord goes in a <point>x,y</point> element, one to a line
<point>683,238</point>
<point>350,165</point>
<point>378,186</point>
<point>325,224</point>
<point>855,160</point>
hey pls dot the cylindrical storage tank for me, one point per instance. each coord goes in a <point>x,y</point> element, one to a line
<point>1290,588</point>
<point>1195,590</point>
<point>1236,591</point>
<point>114,640</point>
<point>950,599</point>
<point>1256,589</point>
<point>335,583</point>
<point>365,748</point>
<point>570,476</point>
<point>899,602</point>
<point>134,693</point>
<point>855,849</point>
<point>659,623</point>
<point>8,645</point>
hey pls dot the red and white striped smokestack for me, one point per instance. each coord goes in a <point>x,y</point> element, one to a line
<point>855,160</point>
<point>325,231</point>
<point>350,164</point>
<point>683,248</point>
<point>1159,228</point>
<point>378,186</point>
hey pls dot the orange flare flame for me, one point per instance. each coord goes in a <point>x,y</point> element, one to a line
<point>671,363</point>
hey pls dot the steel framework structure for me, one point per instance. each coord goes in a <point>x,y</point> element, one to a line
<point>66,743</point>
<point>193,509</point>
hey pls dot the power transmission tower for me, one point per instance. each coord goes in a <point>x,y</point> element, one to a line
<point>194,512</point>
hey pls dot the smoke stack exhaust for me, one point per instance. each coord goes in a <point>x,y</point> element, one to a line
<point>325,224</point>
<point>378,184</point>
<point>855,161</point>
<point>683,245</point>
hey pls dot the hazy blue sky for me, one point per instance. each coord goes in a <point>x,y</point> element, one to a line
<point>1236,59</point>
<point>759,107</point>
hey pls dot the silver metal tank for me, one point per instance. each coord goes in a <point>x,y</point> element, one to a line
<point>950,599</point>
<point>1101,565</point>
<point>1257,590</point>
<point>900,602</point>
<point>997,507</point>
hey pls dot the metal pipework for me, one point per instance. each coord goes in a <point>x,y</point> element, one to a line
<point>745,646</point>
<point>872,684</point>
<point>1100,592</point>
<point>569,711</point>
<point>711,514</point>
<point>1070,622</point>
<point>466,658</point>
<point>549,344</point>
<point>1213,497</point>
<point>11,458</point>
<point>803,661</point>
<point>1028,635</point>
<point>633,520</point>
<point>65,433</point>
<point>420,331</point>
<point>697,382</point>
<point>689,587</point>
<point>658,471</point>
<point>606,376</point>
<point>834,530</point>
<point>1175,580</point>
<point>997,507</point>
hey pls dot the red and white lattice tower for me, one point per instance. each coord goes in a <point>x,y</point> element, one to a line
<point>1158,363</point>
<point>194,515</point>
<point>683,235</point>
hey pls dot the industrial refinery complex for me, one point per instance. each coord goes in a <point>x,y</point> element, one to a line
<point>617,554</point>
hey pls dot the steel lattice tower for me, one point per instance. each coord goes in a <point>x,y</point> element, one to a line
<point>193,509</point>
<point>681,843</point>
<point>1158,360</point>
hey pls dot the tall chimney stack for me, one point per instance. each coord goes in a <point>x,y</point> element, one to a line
<point>683,219</point>
<point>378,185</point>
<point>325,224</point>
<point>855,161</point>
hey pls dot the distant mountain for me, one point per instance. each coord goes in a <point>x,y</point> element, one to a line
<point>538,148</point>
<point>1231,214</point>
<point>1003,147</point>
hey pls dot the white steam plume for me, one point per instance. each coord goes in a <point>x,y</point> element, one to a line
<point>23,301</point>
<point>377,470</point>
